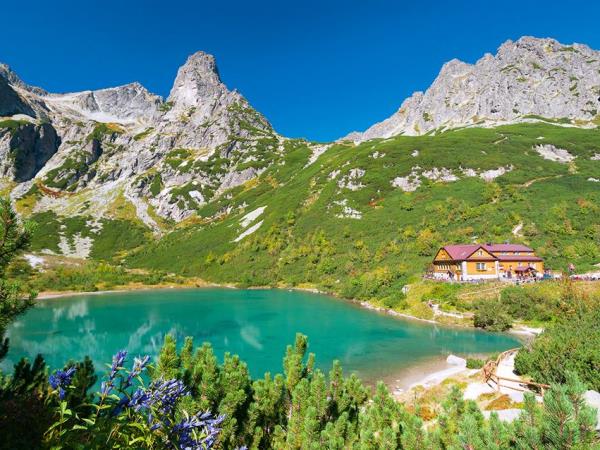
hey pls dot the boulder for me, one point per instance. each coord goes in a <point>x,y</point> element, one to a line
<point>456,361</point>
<point>592,399</point>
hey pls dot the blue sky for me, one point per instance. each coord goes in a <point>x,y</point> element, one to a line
<point>315,69</point>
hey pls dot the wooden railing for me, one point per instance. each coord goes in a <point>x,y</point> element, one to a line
<point>490,370</point>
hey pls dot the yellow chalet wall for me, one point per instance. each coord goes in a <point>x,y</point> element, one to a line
<point>443,262</point>
<point>479,258</point>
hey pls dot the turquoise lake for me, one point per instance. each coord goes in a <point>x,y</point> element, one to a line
<point>256,324</point>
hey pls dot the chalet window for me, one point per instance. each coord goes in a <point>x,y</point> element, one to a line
<point>480,253</point>
<point>480,266</point>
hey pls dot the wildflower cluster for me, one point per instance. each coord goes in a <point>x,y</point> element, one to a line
<point>199,431</point>
<point>161,395</point>
<point>159,401</point>
<point>155,407</point>
<point>117,364</point>
<point>61,380</point>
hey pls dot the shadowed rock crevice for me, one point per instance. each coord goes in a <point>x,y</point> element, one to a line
<point>31,146</point>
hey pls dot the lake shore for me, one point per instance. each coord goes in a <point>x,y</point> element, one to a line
<point>425,374</point>
<point>524,333</point>
<point>428,372</point>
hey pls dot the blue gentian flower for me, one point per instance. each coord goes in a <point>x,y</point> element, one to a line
<point>61,379</point>
<point>202,424</point>
<point>139,365</point>
<point>117,363</point>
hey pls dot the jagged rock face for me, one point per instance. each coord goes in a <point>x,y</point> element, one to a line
<point>10,102</point>
<point>122,104</point>
<point>172,155</point>
<point>26,149</point>
<point>529,77</point>
<point>209,110</point>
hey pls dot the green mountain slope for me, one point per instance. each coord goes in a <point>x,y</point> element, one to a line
<point>307,237</point>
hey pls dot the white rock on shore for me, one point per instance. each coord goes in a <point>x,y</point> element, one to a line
<point>456,361</point>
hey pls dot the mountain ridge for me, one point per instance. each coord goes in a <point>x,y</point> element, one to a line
<point>528,77</point>
<point>117,134</point>
<point>202,177</point>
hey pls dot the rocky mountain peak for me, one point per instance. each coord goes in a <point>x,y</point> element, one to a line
<point>8,74</point>
<point>197,80</point>
<point>12,78</point>
<point>525,79</point>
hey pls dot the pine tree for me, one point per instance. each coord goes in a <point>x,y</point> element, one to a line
<point>204,378</point>
<point>310,438</point>
<point>27,379</point>
<point>380,423</point>
<point>528,426</point>
<point>236,387</point>
<point>469,437</point>
<point>85,377</point>
<point>186,353</point>
<point>495,434</point>
<point>567,421</point>
<point>266,410</point>
<point>299,404</point>
<point>318,396</point>
<point>336,434</point>
<point>169,362</point>
<point>293,366</point>
<point>14,239</point>
<point>414,437</point>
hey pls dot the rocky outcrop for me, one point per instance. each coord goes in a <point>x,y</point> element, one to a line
<point>128,103</point>
<point>172,156</point>
<point>25,149</point>
<point>10,102</point>
<point>526,80</point>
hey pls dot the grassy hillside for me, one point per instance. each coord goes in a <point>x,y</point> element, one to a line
<point>310,234</point>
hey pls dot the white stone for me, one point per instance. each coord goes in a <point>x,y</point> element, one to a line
<point>34,260</point>
<point>490,175</point>
<point>456,361</point>
<point>409,183</point>
<point>440,174</point>
<point>349,213</point>
<point>551,153</point>
<point>317,150</point>
<point>351,180</point>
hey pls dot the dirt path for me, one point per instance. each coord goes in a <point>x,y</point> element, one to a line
<point>535,180</point>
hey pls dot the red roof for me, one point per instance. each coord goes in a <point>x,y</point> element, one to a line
<point>518,258</point>
<point>494,248</point>
<point>460,252</point>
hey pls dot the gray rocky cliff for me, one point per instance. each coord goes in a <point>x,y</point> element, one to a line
<point>525,80</point>
<point>169,156</point>
<point>25,150</point>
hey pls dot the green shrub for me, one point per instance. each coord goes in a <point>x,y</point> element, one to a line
<point>491,315</point>
<point>475,363</point>
<point>394,302</point>
<point>571,344</point>
<point>530,303</point>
